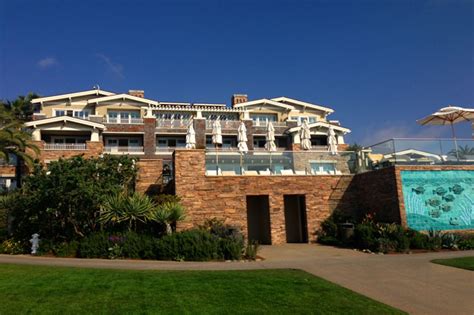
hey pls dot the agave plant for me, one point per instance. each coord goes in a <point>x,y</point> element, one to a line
<point>130,210</point>
<point>168,213</point>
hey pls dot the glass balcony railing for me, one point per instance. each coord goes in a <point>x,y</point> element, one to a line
<point>421,152</point>
<point>280,163</point>
<point>123,149</point>
<point>172,123</point>
<point>65,146</point>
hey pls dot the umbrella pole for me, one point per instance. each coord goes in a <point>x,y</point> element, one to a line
<point>455,141</point>
<point>217,161</point>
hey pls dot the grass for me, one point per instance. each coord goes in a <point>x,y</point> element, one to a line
<point>461,262</point>
<point>40,290</point>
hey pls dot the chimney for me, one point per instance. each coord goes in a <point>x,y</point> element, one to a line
<point>137,93</point>
<point>239,98</point>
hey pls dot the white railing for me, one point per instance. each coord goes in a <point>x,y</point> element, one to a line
<point>225,124</point>
<point>67,146</point>
<point>172,123</point>
<point>117,149</point>
<point>121,120</point>
<point>263,123</point>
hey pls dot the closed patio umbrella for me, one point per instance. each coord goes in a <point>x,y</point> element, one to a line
<point>449,116</point>
<point>191,136</point>
<point>332,141</point>
<point>216,140</point>
<point>270,138</point>
<point>242,138</point>
<point>305,136</point>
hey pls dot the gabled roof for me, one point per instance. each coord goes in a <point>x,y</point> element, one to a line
<point>264,101</point>
<point>65,119</point>
<point>319,124</point>
<point>123,97</point>
<point>284,99</point>
<point>71,95</point>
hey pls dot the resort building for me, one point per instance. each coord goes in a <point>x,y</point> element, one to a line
<point>97,121</point>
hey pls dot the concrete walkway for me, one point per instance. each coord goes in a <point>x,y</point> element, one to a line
<point>408,282</point>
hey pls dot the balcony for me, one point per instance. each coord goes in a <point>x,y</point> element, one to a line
<point>123,120</point>
<point>124,150</point>
<point>264,123</point>
<point>280,163</point>
<point>411,151</point>
<point>225,124</point>
<point>67,146</point>
<point>172,123</point>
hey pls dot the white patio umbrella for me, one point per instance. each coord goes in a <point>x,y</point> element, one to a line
<point>305,136</point>
<point>242,138</point>
<point>270,138</point>
<point>332,141</point>
<point>216,140</point>
<point>191,136</point>
<point>449,116</point>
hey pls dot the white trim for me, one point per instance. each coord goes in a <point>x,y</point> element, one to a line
<point>65,119</point>
<point>123,132</point>
<point>71,95</point>
<point>304,104</point>
<point>263,102</point>
<point>321,124</point>
<point>413,151</point>
<point>122,96</point>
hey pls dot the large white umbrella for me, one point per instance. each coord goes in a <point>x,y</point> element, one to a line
<point>216,140</point>
<point>332,141</point>
<point>216,133</point>
<point>191,136</point>
<point>449,116</point>
<point>270,138</point>
<point>305,136</point>
<point>242,138</point>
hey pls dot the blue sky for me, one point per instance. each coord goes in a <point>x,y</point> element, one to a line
<point>380,64</point>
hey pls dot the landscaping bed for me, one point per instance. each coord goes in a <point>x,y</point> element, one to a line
<point>38,289</point>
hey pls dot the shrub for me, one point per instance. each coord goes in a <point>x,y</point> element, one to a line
<point>466,242</point>
<point>364,236</point>
<point>95,246</point>
<point>251,250</point>
<point>231,243</point>
<point>12,247</point>
<point>417,239</point>
<point>450,240</point>
<point>66,249</point>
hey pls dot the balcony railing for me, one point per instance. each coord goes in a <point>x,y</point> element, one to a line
<point>221,162</point>
<point>122,120</point>
<point>264,123</point>
<point>225,124</point>
<point>172,123</point>
<point>67,146</point>
<point>123,149</point>
<point>406,151</point>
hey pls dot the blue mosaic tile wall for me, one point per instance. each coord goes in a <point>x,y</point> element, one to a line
<point>439,200</point>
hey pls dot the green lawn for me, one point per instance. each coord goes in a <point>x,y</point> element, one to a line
<point>462,262</point>
<point>35,289</point>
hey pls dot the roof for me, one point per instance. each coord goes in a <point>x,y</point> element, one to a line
<point>304,104</point>
<point>75,120</point>
<point>264,101</point>
<point>123,96</point>
<point>413,152</point>
<point>321,124</point>
<point>71,95</point>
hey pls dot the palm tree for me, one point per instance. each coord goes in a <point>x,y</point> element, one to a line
<point>462,152</point>
<point>14,142</point>
<point>168,213</point>
<point>22,108</point>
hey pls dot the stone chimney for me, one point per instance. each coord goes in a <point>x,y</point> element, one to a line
<point>239,98</point>
<point>137,93</point>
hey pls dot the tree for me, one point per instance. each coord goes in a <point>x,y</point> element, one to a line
<point>22,108</point>
<point>462,152</point>
<point>62,202</point>
<point>13,139</point>
<point>169,213</point>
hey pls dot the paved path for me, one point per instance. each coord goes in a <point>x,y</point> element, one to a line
<point>408,282</point>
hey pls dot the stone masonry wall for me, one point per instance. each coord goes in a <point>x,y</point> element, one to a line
<point>224,197</point>
<point>149,179</point>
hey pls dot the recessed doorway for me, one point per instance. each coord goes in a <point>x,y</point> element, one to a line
<point>295,219</point>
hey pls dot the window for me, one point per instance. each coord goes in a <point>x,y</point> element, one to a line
<point>122,116</point>
<point>164,142</point>
<point>300,119</point>
<point>84,114</point>
<point>59,112</point>
<point>264,117</point>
